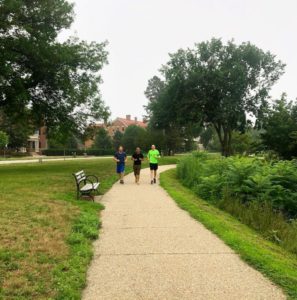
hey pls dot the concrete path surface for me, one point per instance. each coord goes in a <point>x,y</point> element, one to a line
<point>151,249</point>
<point>44,159</point>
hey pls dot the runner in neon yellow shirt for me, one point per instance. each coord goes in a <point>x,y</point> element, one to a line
<point>153,156</point>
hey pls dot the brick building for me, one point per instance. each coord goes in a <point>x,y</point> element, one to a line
<point>119,124</point>
<point>37,141</point>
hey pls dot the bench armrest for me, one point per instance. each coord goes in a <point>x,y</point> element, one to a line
<point>91,182</point>
<point>92,176</point>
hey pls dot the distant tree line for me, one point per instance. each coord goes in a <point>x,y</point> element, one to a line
<point>134,136</point>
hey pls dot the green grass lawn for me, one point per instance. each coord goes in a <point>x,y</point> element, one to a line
<point>273,261</point>
<point>45,233</point>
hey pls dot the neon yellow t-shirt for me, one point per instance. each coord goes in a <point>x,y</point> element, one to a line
<point>153,156</point>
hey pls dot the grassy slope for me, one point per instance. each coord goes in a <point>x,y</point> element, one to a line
<point>270,259</point>
<point>45,233</point>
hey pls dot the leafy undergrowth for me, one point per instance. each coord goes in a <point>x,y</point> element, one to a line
<point>261,194</point>
<point>45,233</point>
<point>272,260</point>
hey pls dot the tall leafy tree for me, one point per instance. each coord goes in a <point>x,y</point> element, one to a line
<point>57,81</point>
<point>117,139</point>
<point>102,140</point>
<point>215,84</point>
<point>3,139</point>
<point>17,128</point>
<point>135,136</point>
<point>280,127</point>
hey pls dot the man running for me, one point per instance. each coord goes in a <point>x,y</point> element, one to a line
<point>153,156</point>
<point>137,158</point>
<point>120,157</point>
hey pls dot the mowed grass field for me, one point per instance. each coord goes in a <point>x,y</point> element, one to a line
<point>45,233</point>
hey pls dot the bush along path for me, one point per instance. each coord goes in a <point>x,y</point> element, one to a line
<point>150,249</point>
<point>261,194</point>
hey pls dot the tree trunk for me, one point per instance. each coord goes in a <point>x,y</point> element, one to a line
<point>225,137</point>
<point>226,146</point>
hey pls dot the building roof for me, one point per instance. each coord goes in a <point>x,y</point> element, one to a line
<point>127,122</point>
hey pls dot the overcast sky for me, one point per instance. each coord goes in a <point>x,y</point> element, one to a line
<point>141,33</point>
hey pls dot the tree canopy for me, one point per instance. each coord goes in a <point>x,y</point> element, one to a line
<point>280,126</point>
<point>135,136</point>
<point>117,139</point>
<point>3,139</point>
<point>48,81</point>
<point>213,84</point>
<point>102,140</point>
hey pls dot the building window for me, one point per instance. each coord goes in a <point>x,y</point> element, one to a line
<point>123,128</point>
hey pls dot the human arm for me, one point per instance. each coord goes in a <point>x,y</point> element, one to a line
<point>115,158</point>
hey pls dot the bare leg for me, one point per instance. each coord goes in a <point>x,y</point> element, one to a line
<point>152,174</point>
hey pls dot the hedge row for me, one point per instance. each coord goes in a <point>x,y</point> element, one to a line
<point>93,152</point>
<point>12,153</point>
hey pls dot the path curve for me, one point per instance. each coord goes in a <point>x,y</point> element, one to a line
<point>151,249</point>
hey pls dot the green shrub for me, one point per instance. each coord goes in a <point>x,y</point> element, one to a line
<point>69,152</point>
<point>99,152</point>
<point>260,193</point>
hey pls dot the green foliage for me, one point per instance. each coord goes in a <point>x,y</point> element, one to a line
<point>117,139</point>
<point>59,81</point>
<point>3,139</point>
<point>68,152</point>
<point>261,194</point>
<point>206,136</point>
<point>17,127</point>
<point>102,140</point>
<point>135,136</point>
<point>248,142</point>
<point>213,84</point>
<point>168,141</point>
<point>280,127</point>
<point>70,142</point>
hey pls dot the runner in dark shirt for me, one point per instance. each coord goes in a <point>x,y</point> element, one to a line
<point>120,157</point>
<point>137,158</point>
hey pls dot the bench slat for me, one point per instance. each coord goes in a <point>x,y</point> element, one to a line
<point>89,187</point>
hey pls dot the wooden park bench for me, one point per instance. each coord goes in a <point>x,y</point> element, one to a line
<point>86,184</point>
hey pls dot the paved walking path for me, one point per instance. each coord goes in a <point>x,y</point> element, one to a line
<point>44,159</point>
<point>151,249</point>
